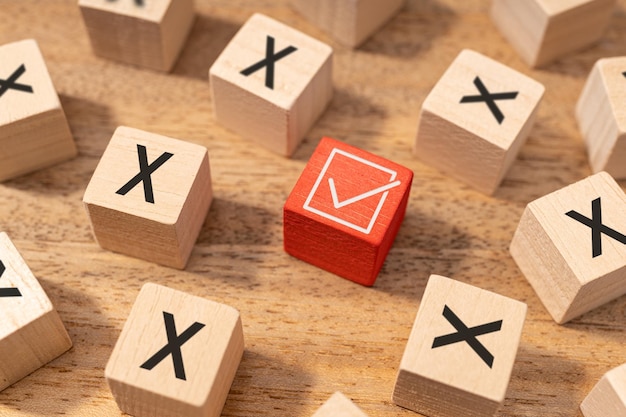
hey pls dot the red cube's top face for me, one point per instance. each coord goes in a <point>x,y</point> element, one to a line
<point>350,189</point>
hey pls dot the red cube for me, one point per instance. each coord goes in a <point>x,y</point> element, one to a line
<point>345,210</point>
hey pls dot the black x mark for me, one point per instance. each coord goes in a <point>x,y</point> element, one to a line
<point>8,292</point>
<point>269,61</point>
<point>174,342</point>
<point>137,2</point>
<point>597,228</point>
<point>10,83</point>
<point>145,170</point>
<point>467,335</point>
<point>489,99</point>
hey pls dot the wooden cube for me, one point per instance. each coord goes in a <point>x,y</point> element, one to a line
<point>271,83</point>
<point>608,397</point>
<point>350,22</point>
<point>34,133</point>
<point>176,356</point>
<point>344,212</point>
<point>339,406</point>
<point>31,332</point>
<point>571,246</point>
<point>542,31</point>
<point>602,117</point>
<point>145,33</point>
<point>460,353</point>
<point>149,196</point>
<point>475,120</point>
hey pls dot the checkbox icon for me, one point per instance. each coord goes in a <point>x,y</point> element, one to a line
<point>376,181</point>
<point>345,210</point>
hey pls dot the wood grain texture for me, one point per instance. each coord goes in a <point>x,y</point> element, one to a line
<point>339,406</point>
<point>571,270</point>
<point>308,333</point>
<point>349,22</point>
<point>608,397</point>
<point>275,110</point>
<point>157,216</point>
<point>150,34</point>
<point>204,342</point>
<point>602,116</point>
<point>545,30</point>
<point>31,332</point>
<point>459,378</point>
<point>33,129</point>
<point>477,141</point>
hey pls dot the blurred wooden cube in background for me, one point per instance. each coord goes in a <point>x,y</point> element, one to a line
<point>176,356</point>
<point>31,331</point>
<point>542,31</point>
<point>349,22</point>
<point>601,114</point>
<point>271,83</point>
<point>149,196</point>
<point>571,246</point>
<point>475,120</point>
<point>145,33</point>
<point>608,397</point>
<point>339,406</point>
<point>34,133</point>
<point>460,354</point>
<point>345,211</point>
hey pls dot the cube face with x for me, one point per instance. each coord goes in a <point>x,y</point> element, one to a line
<point>460,354</point>
<point>176,356</point>
<point>271,83</point>
<point>475,120</point>
<point>571,246</point>
<point>34,133</point>
<point>149,196</point>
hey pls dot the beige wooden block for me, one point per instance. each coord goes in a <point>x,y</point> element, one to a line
<point>177,355</point>
<point>338,405</point>
<point>571,247</point>
<point>542,31</point>
<point>145,33</point>
<point>475,120</point>
<point>271,83</point>
<point>460,354</point>
<point>34,133</point>
<point>601,116</point>
<point>608,397</point>
<point>350,22</point>
<point>31,332</point>
<point>149,196</point>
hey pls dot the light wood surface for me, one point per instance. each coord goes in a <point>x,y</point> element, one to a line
<point>608,397</point>
<point>339,406</point>
<point>602,117</point>
<point>308,333</point>
<point>461,351</point>
<point>543,31</point>
<point>574,266</point>
<point>158,215</point>
<point>349,22</point>
<point>149,34</point>
<point>33,127</point>
<point>31,332</point>
<point>271,83</point>
<point>204,343</point>
<point>476,119</point>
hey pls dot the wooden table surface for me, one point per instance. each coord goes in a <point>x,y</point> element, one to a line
<point>308,333</point>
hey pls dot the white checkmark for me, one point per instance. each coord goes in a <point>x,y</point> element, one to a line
<point>338,204</point>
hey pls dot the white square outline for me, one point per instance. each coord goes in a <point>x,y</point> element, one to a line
<point>353,226</point>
